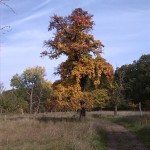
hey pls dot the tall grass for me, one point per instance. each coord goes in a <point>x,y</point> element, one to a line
<point>51,133</point>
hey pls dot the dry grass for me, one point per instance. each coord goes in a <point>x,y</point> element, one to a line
<point>42,134</point>
<point>54,131</point>
<point>120,113</point>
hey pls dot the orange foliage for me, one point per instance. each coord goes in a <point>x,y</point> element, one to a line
<point>73,39</point>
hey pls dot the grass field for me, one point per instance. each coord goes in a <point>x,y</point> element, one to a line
<point>57,131</point>
<point>63,131</point>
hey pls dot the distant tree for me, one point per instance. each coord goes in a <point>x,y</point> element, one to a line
<point>1,91</point>
<point>44,94</point>
<point>136,80</point>
<point>84,63</point>
<point>117,90</point>
<point>11,102</point>
<point>32,82</point>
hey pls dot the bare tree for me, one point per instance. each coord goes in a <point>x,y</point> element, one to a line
<point>3,2</point>
<point>5,29</point>
<point>117,90</point>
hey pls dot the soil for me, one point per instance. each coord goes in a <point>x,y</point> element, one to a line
<point>119,138</point>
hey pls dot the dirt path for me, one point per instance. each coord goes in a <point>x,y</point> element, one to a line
<point>120,138</point>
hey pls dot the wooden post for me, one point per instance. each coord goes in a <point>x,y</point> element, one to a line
<point>5,117</point>
<point>22,113</point>
<point>140,109</point>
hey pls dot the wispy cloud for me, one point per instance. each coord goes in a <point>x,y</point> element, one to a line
<point>30,17</point>
<point>41,5</point>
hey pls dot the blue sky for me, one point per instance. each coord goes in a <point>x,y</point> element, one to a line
<point>123,26</point>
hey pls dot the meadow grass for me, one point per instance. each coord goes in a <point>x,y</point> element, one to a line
<point>99,141</point>
<point>51,132</point>
<point>64,131</point>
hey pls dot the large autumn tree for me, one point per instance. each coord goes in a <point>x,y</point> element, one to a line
<point>84,64</point>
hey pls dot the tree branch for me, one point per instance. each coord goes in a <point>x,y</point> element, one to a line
<point>3,3</point>
<point>5,29</point>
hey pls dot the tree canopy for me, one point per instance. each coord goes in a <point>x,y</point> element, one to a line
<point>136,80</point>
<point>32,84</point>
<point>84,63</point>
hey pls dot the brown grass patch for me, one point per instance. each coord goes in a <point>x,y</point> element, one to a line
<point>26,134</point>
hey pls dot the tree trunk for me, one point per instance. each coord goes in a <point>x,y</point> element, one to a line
<point>83,109</point>
<point>39,101</point>
<point>140,109</point>
<point>83,82</point>
<point>38,105</point>
<point>31,100</point>
<point>116,109</point>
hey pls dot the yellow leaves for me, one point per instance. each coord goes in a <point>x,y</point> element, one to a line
<point>60,45</point>
<point>58,91</point>
<point>93,68</point>
<point>100,97</point>
<point>88,99</point>
<point>73,39</point>
<point>96,82</point>
<point>67,96</point>
<point>104,66</point>
<point>132,105</point>
<point>68,91</point>
<point>84,67</point>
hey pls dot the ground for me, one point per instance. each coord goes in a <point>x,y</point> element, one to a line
<point>120,138</point>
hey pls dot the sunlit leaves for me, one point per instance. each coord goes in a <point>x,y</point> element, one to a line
<point>73,38</point>
<point>35,88</point>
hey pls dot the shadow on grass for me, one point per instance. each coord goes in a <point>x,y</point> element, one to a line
<point>100,140</point>
<point>144,134</point>
<point>45,119</point>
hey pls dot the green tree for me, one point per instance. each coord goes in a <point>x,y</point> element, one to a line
<point>136,80</point>
<point>11,102</point>
<point>31,82</point>
<point>84,63</point>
